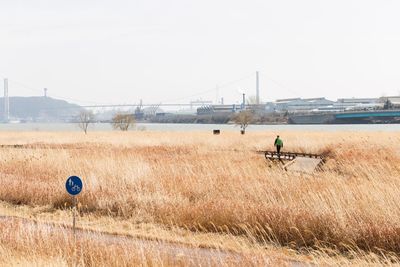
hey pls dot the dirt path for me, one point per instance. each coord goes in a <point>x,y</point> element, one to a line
<point>193,256</point>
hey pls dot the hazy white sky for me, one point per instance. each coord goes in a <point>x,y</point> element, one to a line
<point>118,51</point>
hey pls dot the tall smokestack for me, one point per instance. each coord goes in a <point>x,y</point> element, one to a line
<point>45,92</point>
<point>6,102</point>
<point>257,89</point>
<point>216,94</point>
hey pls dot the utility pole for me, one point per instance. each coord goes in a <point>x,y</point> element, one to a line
<point>257,89</point>
<point>6,102</point>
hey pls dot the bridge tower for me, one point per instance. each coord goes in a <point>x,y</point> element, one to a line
<point>257,89</point>
<point>6,102</point>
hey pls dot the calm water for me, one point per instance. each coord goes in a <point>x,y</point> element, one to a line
<point>199,127</point>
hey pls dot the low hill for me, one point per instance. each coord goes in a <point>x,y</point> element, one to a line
<point>37,108</point>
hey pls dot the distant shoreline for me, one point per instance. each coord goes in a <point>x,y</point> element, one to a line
<point>73,127</point>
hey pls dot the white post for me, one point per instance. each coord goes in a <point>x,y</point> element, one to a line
<point>257,89</point>
<point>6,102</point>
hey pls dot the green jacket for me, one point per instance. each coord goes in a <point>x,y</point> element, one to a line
<point>278,142</point>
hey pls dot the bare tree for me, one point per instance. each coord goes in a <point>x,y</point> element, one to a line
<point>85,118</point>
<point>123,121</point>
<point>243,119</point>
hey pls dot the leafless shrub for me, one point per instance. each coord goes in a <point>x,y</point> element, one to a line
<point>85,118</point>
<point>243,119</point>
<point>123,121</point>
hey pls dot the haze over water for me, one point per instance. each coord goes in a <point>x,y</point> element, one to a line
<point>200,127</point>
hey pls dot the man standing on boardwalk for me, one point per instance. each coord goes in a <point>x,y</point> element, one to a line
<point>279,144</point>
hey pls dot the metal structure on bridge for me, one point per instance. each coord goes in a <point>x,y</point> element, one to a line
<point>139,108</point>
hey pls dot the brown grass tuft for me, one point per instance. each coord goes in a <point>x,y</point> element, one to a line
<point>218,184</point>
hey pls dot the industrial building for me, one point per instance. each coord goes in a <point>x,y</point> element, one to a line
<point>220,109</point>
<point>294,105</point>
<point>390,101</point>
<point>301,105</point>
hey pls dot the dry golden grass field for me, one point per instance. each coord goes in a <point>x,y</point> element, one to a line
<point>201,191</point>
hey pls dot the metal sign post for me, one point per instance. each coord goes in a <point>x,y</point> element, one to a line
<point>74,187</point>
<point>74,214</point>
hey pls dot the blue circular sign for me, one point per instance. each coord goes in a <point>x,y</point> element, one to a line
<point>74,185</point>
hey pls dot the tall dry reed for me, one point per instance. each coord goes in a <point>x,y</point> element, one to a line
<point>219,184</point>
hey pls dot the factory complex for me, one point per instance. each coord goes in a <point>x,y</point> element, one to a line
<point>308,105</point>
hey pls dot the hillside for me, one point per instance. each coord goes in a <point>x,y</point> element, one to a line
<point>37,108</point>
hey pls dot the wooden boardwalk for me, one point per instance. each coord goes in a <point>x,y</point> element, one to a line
<point>273,155</point>
<point>298,162</point>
